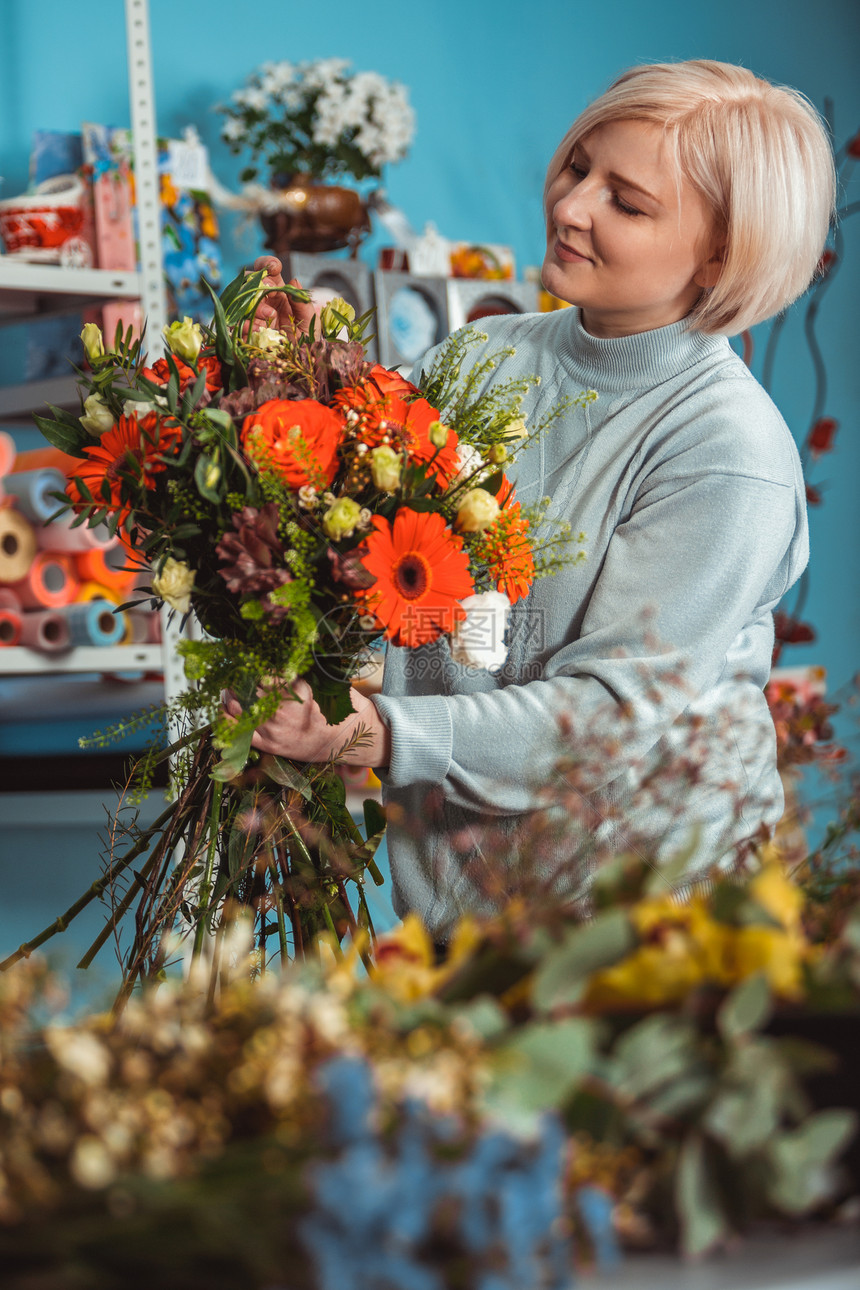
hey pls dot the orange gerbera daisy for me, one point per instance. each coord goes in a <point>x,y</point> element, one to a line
<point>296,439</point>
<point>422,574</point>
<point>133,447</point>
<point>159,373</point>
<point>506,548</point>
<point>410,423</point>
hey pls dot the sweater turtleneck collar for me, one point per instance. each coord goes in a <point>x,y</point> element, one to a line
<point>631,362</point>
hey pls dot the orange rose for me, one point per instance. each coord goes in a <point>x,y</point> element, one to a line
<point>391,382</point>
<point>297,439</point>
<point>159,373</point>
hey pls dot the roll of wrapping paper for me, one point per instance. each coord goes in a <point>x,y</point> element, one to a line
<point>49,583</point>
<point>94,622</point>
<point>106,566</point>
<point>10,627</point>
<point>144,627</point>
<point>17,545</point>
<point>32,489</point>
<point>98,591</point>
<point>7,456</point>
<point>39,458</point>
<point>45,630</point>
<point>62,535</point>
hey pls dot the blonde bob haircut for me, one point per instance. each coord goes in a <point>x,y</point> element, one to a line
<point>760,157</point>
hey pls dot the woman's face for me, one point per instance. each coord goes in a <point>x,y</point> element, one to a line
<point>627,242</point>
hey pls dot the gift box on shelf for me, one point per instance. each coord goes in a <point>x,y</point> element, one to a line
<point>469,300</point>
<point>411,315</point>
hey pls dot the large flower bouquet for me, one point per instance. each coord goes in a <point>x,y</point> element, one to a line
<point>302,504</point>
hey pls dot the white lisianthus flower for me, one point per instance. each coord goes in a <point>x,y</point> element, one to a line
<point>472,464</point>
<point>477,511</point>
<point>185,339</point>
<point>330,325</point>
<point>267,339</point>
<point>386,466</point>
<point>174,584</point>
<point>515,429</point>
<point>97,416</point>
<point>479,640</point>
<point>139,408</point>
<point>341,519</point>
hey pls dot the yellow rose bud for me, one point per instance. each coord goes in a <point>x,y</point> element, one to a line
<point>438,434</point>
<point>97,416</point>
<point>331,326</point>
<point>477,511</point>
<point>185,339</point>
<point>173,584</point>
<point>94,345</point>
<point>341,518</point>
<point>213,474</point>
<point>498,454</point>
<point>385,466</point>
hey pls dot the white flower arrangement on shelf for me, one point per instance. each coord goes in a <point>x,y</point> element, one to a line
<point>319,119</point>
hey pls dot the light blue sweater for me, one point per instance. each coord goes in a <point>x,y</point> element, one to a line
<point>653,652</point>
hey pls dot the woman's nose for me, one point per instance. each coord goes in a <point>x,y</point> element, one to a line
<point>572,209</point>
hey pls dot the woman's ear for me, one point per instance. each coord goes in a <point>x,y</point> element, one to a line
<point>709,272</point>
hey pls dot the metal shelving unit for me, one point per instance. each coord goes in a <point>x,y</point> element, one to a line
<point>28,291</point>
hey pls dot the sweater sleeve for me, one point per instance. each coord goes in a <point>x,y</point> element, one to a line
<point>700,558</point>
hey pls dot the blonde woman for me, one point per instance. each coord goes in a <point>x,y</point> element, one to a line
<point>690,201</point>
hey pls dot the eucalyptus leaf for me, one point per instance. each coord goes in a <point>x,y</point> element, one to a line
<point>703,1219</point>
<point>652,1053</point>
<point>585,949</point>
<point>747,1008</point>
<point>540,1065</point>
<point>802,1175</point>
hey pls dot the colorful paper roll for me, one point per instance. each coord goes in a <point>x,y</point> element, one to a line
<point>45,630</point>
<point>94,622</point>
<point>17,545</point>
<point>38,458</point>
<point>49,583</point>
<point>98,591</point>
<point>107,567</point>
<point>62,535</point>
<point>10,627</point>
<point>7,457</point>
<point>32,491</point>
<point>144,627</point>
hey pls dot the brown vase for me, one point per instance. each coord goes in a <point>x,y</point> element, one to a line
<point>314,217</point>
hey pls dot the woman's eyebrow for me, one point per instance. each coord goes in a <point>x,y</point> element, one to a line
<point>630,183</point>
<point>616,178</point>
